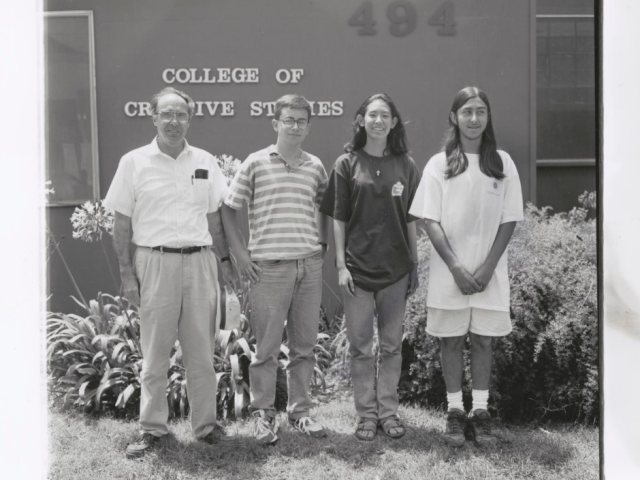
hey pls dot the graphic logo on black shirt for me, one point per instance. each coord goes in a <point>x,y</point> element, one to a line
<point>397,189</point>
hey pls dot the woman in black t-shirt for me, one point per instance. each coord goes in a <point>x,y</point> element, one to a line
<point>370,190</point>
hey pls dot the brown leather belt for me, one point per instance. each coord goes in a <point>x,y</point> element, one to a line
<point>183,250</point>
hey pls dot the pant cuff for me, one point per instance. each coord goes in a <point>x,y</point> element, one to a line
<point>297,415</point>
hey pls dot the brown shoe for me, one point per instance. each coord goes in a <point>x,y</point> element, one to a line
<point>479,428</point>
<point>456,425</point>
<point>141,446</point>
<point>218,436</point>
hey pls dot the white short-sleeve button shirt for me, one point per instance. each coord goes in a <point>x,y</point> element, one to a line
<point>470,208</point>
<point>167,199</point>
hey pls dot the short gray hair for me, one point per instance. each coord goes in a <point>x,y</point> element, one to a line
<point>168,90</point>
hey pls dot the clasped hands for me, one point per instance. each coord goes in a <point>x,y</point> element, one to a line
<point>470,284</point>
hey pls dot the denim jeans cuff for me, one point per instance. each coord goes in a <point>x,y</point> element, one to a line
<point>297,415</point>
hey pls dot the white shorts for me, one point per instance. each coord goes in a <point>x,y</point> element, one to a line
<point>456,323</point>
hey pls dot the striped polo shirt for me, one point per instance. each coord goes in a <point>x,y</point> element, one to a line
<point>282,204</point>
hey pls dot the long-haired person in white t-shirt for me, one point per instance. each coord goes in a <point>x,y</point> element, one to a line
<point>471,199</point>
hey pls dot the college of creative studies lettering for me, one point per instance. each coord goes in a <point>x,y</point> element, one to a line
<point>227,108</point>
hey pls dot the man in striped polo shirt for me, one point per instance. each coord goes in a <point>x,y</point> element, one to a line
<point>283,186</point>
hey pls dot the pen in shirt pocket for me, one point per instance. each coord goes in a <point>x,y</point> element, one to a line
<point>191,179</point>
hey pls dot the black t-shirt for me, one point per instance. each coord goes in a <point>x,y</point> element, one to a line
<point>375,210</point>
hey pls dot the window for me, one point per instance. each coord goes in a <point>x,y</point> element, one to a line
<point>566,88</point>
<point>71,146</point>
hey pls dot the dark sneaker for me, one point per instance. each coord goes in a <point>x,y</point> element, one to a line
<point>308,426</point>
<point>141,446</point>
<point>479,428</point>
<point>456,425</point>
<point>218,436</point>
<point>265,428</point>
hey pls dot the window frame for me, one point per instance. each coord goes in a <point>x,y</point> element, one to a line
<point>560,162</point>
<point>95,174</point>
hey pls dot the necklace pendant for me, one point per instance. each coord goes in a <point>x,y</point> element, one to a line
<point>378,173</point>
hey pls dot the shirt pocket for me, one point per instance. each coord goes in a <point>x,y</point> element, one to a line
<point>200,191</point>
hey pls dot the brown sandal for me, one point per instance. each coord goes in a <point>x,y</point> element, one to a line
<point>392,422</point>
<point>366,426</point>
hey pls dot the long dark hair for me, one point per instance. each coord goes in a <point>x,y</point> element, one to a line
<point>396,140</point>
<point>457,162</point>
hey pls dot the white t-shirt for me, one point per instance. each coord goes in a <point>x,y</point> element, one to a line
<point>167,200</point>
<point>470,207</point>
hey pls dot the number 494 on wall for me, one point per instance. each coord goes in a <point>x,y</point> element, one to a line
<point>402,16</point>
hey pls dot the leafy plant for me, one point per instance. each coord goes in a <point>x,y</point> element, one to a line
<point>234,351</point>
<point>94,362</point>
<point>588,200</point>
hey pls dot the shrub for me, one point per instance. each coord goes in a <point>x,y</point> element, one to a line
<point>548,366</point>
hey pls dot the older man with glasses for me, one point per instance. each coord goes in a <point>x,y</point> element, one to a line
<point>166,197</point>
<point>283,186</point>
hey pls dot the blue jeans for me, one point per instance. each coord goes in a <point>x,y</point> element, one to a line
<point>288,290</point>
<point>390,302</point>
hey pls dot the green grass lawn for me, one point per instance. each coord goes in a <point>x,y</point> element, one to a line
<point>83,447</point>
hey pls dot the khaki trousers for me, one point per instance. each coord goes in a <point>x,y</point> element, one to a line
<point>178,293</point>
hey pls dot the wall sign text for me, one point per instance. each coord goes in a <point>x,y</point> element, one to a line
<point>227,108</point>
<point>403,18</point>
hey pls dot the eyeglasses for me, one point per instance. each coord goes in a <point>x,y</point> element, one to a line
<point>290,122</point>
<point>167,116</point>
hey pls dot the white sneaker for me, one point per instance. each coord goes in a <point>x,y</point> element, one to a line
<point>309,426</point>
<point>265,428</point>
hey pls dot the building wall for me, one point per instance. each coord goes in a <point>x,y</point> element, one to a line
<point>135,42</point>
